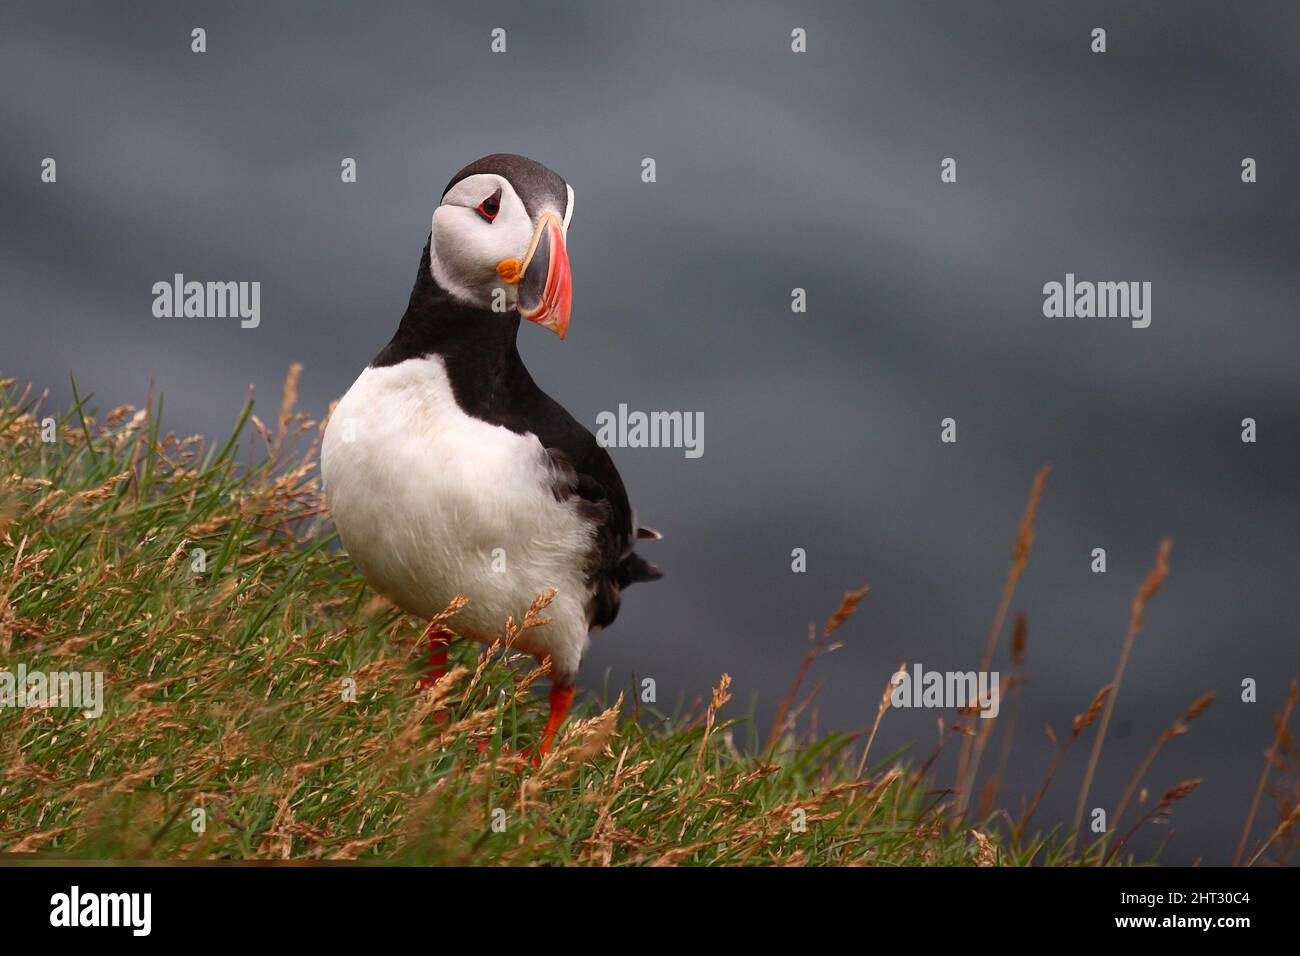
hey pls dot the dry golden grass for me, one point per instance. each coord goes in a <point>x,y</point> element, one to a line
<point>1150,586</point>
<point>1274,758</point>
<point>968,765</point>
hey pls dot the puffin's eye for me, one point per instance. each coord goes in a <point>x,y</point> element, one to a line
<point>489,207</point>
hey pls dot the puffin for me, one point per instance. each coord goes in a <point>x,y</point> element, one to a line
<point>449,472</point>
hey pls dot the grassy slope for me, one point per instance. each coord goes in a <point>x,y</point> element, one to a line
<point>226,692</point>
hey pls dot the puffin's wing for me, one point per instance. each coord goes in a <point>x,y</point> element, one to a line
<point>601,498</point>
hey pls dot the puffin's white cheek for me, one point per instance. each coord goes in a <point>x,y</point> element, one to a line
<point>464,248</point>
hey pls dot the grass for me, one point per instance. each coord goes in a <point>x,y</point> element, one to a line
<point>261,702</point>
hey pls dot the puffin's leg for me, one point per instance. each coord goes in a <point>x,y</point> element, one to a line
<point>438,640</point>
<point>561,701</point>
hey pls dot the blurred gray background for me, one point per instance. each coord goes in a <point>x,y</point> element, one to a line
<point>775,170</point>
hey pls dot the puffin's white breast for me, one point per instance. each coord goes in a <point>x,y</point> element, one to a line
<point>431,502</point>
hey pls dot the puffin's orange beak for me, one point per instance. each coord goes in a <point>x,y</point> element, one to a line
<point>545,283</point>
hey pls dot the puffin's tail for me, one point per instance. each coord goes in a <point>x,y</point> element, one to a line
<point>635,568</point>
<point>609,586</point>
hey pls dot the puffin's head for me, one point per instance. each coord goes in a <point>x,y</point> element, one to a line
<point>498,239</point>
